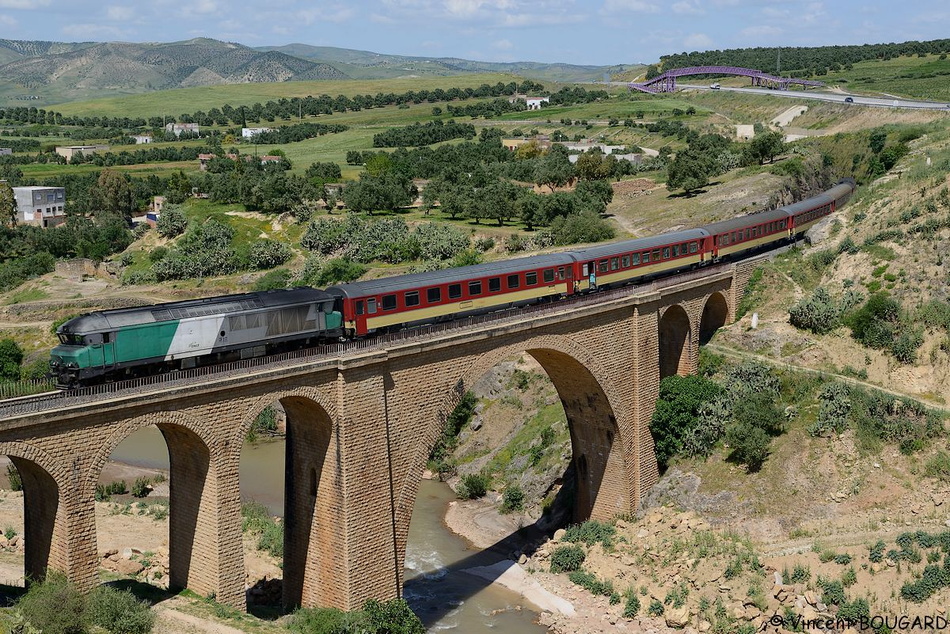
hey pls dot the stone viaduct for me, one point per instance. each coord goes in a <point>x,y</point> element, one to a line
<point>361,422</point>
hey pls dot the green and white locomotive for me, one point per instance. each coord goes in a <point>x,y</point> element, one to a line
<point>129,342</point>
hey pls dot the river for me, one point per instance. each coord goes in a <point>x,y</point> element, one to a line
<point>443,596</point>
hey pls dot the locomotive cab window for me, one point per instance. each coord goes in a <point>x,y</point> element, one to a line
<point>412,298</point>
<point>530,279</point>
<point>434,295</point>
<point>515,282</point>
<point>455,291</point>
<point>494,284</point>
<point>389,302</point>
<point>475,288</point>
<point>548,275</point>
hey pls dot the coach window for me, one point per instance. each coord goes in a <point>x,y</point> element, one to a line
<point>656,255</point>
<point>412,298</point>
<point>636,259</point>
<point>666,253</point>
<point>434,295</point>
<point>530,279</point>
<point>371,305</point>
<point>475,288</point>
<point>626,261</point>
<point>693,247</point>
<point>494,284</point>
<point>359,307</point>
<point>560,273</point>
<point>646,257</point>
<point>602,266</point>
<point>455,291</point>
<point>676,250</point>
<point>514,282</point>
<point>548,275</point>
<point>389,302</point>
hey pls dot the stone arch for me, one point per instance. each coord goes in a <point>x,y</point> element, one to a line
<point>313,538</point>
<point>715,314</point>
<point>45,529</point>
<point>589,400</point>
<point>194,497</point>
<point>675,341</point>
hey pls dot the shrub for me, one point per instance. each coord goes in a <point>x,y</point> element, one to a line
<point>632,606</point>
<point>567,558</point>
<point>266,254</point>
<point>832,593</point>
<point>13,475</point>
<point>591,583</point>
<point>835,407</point>
<point>938,466</point>
<point>473,486</point>
<point>591,532</point>
<point>322,621</point>
<point>272,280</point>
<point>118,611</point>
<point>750,444</point>
<point>54,605</point>
<point>171,222</point>
<point>140,488</point>
<point>818,313</point>
<point>656,608</point>
<point>512,499</point>
<point>676,413</point>
<point>800,574</point>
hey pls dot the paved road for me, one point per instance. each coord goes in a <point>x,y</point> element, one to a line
<point>876,102</point>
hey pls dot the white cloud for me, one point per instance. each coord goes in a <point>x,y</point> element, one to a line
<point>686,7</point>
<point>120,14</point>
<point>92,32</point>
<point>24,4</point>
<point>502,45</point>
<point>199,7</point>
<point>628,6</point>
<point>761,31</point>
<point>335,14</point>
<point>698,41</point>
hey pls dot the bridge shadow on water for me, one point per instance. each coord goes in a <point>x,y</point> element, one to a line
<point>434,595</point>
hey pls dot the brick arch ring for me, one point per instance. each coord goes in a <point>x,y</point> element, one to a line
<point>131,426</point>
<point>56,470</point>
<point>310,393</point>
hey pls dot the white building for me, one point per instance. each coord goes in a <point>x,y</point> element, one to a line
<point>42,206</point>
<point>247,133</point>
<point>534,103</point>
<point>141,139</point>
<point>178,128</point>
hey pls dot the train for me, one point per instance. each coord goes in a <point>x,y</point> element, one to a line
<point>130,342</point>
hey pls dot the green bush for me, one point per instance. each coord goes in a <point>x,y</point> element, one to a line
<point>13,475</point>
<point>473,486</point>
<point>656,608</point>
<point>118,611</point>
<point>322,621</point>
<point>632,606</point>
<point>677,412</point>
<point>266,254</point>
<point>140,488</point>
<point>512,499</point>
<point>567,558</point>
<point>591,532</point>
<point>833,412</point>
<point>591,583</point>
<point>818,313</point>
<point>54,605</point>
<point>750,444</point>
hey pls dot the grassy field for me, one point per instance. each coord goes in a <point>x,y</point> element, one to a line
<point>921,77</point>
<point>175,102</point>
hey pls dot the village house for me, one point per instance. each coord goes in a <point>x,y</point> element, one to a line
<point>248,133</point>
<point>41,206</point>
<point>141,139</point>
<point>178,128</point>
<point>69,151</point>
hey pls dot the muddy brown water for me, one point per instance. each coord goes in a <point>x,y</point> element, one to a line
<point>444,597</point>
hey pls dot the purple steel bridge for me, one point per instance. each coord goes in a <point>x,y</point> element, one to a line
<point>667,81</point>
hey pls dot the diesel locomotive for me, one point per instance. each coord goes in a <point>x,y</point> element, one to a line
<point>129,342</point>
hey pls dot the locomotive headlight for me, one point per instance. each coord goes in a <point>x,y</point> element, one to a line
<point>72,365</point>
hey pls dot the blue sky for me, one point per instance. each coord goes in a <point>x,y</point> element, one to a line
<point>600,32</point>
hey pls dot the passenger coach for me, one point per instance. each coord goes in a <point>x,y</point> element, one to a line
<point>393,302</point>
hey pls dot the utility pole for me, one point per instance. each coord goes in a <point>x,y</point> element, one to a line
<point>778,63</point>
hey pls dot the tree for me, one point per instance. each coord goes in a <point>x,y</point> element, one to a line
<point>676,413</point>
<point>767,145</point>
<point>554,169</point>
<point>8,208</point>
<point>688,171</point>
<point>171,222</point>
<point>112,194</point>
<point>11,356</point>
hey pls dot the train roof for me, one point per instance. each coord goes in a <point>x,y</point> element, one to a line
<point>640,244</point>
<point>746,221</point>
<point>450,276</point>
<point>170,311</point>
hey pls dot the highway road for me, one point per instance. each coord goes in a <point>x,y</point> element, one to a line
<point>857,100</point>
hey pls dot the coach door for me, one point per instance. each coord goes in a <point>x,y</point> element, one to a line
<point>590,270</point>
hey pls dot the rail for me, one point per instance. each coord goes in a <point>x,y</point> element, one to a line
<point>33,404</point>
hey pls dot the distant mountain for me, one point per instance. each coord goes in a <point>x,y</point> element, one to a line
<point>52,72</point>
<point>369,65</point>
